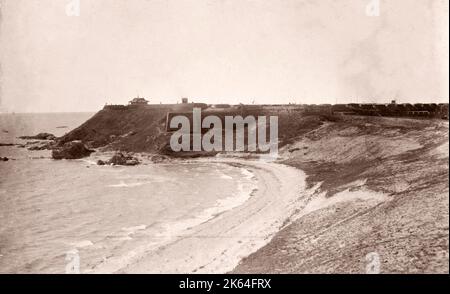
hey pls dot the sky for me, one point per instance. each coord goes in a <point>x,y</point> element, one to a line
<point>221,51</point>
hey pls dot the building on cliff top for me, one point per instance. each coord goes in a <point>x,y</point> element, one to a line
<point>138,101</point>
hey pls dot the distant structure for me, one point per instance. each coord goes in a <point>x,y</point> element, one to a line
<point>392,109</point>
<point>138,101</point>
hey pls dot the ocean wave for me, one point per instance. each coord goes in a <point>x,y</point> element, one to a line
<point>127,185</point>
<point>226,177</point>
<point>245,191</point>
<point>175,229</point>
<point>247,174</point>
<point>149,177</point>
<point>90,162</point>
<point>134,229</point>
<point>82,244</point>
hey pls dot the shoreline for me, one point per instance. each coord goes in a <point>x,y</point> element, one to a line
<point>219,244</point>
<point>339,204</point>
<point>216,244</point>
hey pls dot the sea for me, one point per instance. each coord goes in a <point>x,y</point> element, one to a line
<point>70,216</point>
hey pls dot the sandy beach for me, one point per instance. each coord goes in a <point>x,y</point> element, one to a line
<point>218,245</point>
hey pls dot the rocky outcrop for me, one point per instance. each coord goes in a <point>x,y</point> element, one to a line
<point>4,158</point>
<point>8,144</point>
<point>120,159</point>
<point>71,150</point>
<point>40,136</point>
<point>39,145</point>
<point>159,158</point>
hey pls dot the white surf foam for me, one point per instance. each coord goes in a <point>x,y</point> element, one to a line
<point>126,185</point>
<point>90,162</point>
<point>179,228</point>
<point>226,177</point>
<point>82,244</point>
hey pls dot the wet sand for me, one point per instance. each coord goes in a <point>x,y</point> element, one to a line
<point>218,245</point>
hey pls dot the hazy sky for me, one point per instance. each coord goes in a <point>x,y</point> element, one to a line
<point>269,51</point>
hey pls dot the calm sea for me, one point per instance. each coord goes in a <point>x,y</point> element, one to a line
<point>51,210</point>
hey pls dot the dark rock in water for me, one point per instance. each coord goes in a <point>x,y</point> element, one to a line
<point>40,136</point>
<point>41,146</point>
<point>118,159</point>
<point>132,162</point>
<point>159,158</point>
<point>38,157</point>
<point>101,162</point>
<point>7,144</point>
<point>71,150</point>
<point>4,158</point>
<point>34,148</point>
<point>38,148</point>
<point>121,159</point>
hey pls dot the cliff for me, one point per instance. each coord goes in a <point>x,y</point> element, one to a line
<point>142,129</point>
<point>130,129</point>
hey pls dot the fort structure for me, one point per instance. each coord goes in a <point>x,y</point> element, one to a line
<point>142,103</point>
<point>138,101</point>
<point>392,109</point>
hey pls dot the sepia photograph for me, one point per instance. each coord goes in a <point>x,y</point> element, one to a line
<point>236,137</point>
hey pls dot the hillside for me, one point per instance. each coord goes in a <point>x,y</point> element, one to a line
<point>142,129</point>
<point>377,185</point>
<point>136,129</point>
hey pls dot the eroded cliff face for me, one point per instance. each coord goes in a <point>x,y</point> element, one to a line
<point>378,192</point>
<point>143,129</point>
<point>134,129</point>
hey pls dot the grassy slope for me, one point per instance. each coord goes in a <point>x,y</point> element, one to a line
<point>143,130</point>
<point>135,130</point>
<point>406,159</point>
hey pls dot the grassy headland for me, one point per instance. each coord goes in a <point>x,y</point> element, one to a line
<point>406,160</point>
